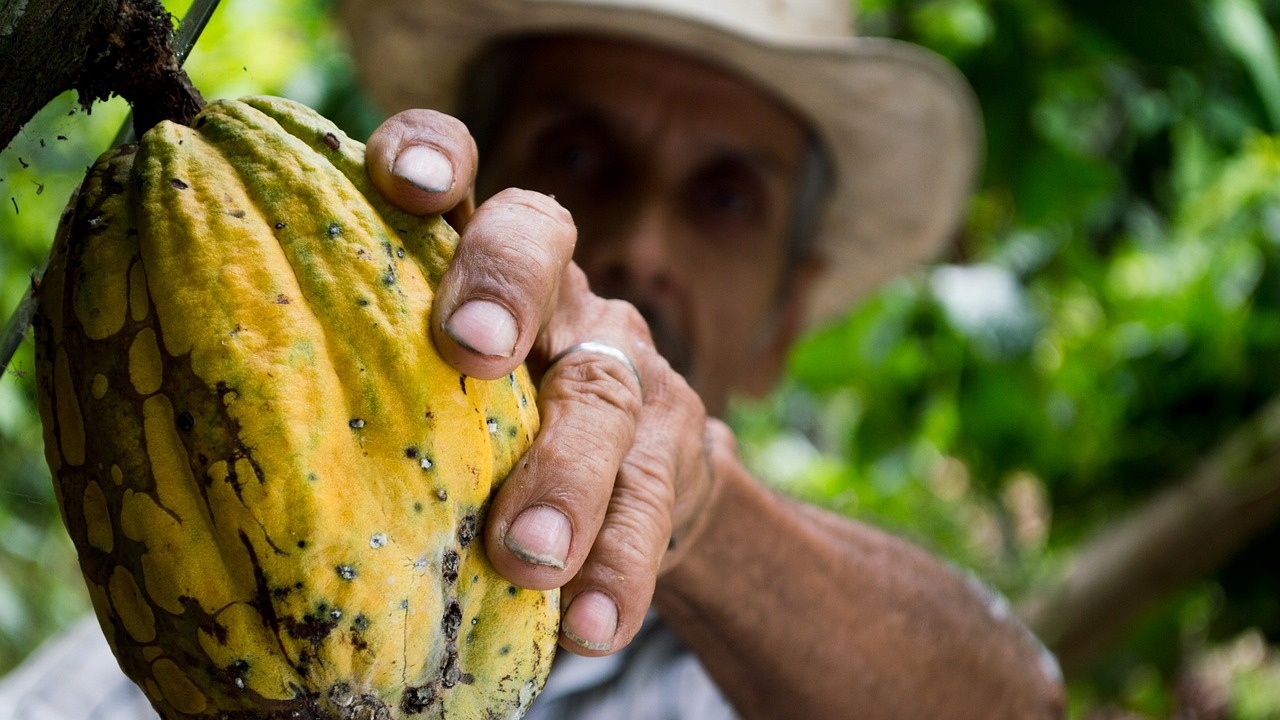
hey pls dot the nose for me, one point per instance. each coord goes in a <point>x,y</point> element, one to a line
<point>633,259</point>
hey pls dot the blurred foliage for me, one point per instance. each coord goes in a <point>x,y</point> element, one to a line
<point>1110,312</point>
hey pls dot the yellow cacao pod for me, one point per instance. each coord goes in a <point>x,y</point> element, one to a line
<point>274,482</point>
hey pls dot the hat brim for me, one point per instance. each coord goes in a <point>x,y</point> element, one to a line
<point>900,123</point>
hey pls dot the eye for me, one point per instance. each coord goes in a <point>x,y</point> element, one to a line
<point>572,153</point>
<point>727,195</point>
<point>576,156</point>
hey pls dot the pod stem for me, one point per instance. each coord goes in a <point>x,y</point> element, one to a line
<point>134,58</point>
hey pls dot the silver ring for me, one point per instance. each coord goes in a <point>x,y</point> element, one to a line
<point>599,348</point>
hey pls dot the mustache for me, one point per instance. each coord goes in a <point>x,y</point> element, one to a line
<point>668,335</point>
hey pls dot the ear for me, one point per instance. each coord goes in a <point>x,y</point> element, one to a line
<point>776,340</point>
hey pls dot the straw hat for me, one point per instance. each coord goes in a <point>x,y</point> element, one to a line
<point>900,123</point>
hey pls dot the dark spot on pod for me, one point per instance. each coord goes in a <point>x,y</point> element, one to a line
<point>399,252</point>
<point>504,650</point>
<point>334,229</point>
<point>511,431</point>
<point>389,277</point>
<point>451,674</point>
<point>341,695</point>
<point>411,453</point>
<point>416,700</point>
<point>236,214</point>
<point>331,141</point>
<point>362,302</point>
<point>452,620</point>
<point>467,529</point>
<point>282,225</point>
<point>356,423</point>
<point>346,572</point>
<point>462,380</point>
<point>511,590</point>
<point>236,672</point>
<point>314,627</point>
<point>185,422</point>
<point>282,299</point>
<point>417,506</point>
<point>449,566</point>
<point>442,494</point>
<point>178,184</point>
<point>361,623</point>
<point>233,673</point>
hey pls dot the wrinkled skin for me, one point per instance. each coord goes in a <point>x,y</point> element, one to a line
<point>677,176</point>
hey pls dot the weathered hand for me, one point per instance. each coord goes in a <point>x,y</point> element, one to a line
<point>622,464</point>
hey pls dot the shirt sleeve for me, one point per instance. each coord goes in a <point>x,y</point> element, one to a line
<point>654,678</point>
<point>74,676</point>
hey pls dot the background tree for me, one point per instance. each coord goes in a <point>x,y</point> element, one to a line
<point>1079,404</point>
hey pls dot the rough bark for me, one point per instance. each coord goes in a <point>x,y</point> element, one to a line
<point>1185,533</point>
<point>96,47</point>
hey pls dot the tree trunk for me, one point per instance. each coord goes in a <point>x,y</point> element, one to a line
<point>96,47</point>
<point>1182,535</point>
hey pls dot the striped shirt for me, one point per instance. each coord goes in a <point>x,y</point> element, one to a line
<point>75,677</point>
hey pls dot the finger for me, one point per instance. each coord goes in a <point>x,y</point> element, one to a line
<point>605,603</point>
<point>422,161</point>
<point>545,516</point>
<point>503,282</point>
<point>690,513</point>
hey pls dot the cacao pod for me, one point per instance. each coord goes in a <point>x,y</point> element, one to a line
<point>274,483</point>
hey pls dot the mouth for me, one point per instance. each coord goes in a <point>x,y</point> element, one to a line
<point>668,337</point>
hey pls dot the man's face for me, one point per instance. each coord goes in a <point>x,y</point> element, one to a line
<point>681,180</point>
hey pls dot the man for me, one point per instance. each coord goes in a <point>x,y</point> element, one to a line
<point>732,171</point>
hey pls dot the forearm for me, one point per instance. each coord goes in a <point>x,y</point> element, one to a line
<point>798,613</point>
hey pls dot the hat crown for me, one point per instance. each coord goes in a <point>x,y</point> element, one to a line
<point>804,18</point>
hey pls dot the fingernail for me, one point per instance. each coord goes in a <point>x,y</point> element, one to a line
<point>591,621</point>
<point>425,168</point>
<point>540,535</point>
<point>483,327</point>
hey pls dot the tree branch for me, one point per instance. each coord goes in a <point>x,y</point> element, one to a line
<point>44,47</point>
<point>97,47</point>
<point>1181,535</point>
